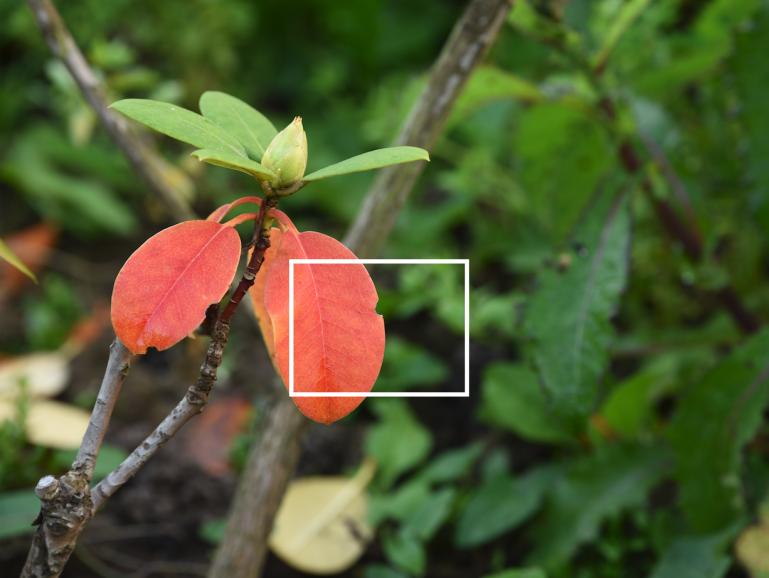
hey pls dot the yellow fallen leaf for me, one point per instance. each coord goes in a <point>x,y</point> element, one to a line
<point>321,527</point>
<point>50,423</point>
<point>43,374</point>
<point>752,550</point>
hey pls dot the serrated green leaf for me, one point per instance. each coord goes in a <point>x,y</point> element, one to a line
<point>369,161</point>
<point>568,320</point>
<point>232,161</point>
<point>590,490</point>
<point>715,419</point>
<point>9,256</point>
<point>239,119</point>
<point>500,505</point>
<point>17,512</point>
<point>179,123</point>
<point>513,399</point>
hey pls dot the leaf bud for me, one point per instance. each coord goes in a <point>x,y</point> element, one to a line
<point>286,155</point>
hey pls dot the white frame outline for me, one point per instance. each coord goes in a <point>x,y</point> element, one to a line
<point>292,262</point>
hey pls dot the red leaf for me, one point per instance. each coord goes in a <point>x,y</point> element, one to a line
<point>219,213</point>
<point>162,292</point>
<point>338,336</point>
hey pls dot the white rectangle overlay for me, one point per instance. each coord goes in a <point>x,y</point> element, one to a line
<point>292,262</point>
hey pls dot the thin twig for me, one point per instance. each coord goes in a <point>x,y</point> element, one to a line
<point>144,161</point>
<point>273,458</point>
<point>117,369</point>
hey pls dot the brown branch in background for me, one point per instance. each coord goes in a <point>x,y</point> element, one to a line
<point>145,162</point>
<point>273,458</point>
<point>469,42</point>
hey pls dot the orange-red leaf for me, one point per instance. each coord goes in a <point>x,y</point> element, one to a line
<point>339,337</point>
<point>162,292</point>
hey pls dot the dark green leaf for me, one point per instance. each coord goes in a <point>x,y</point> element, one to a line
<point>500,505</point>
<point>425,520</point>
<point>569,318</point>
<point>519,573</point>
<point>370,161</point>
<point>452,464</point>
<point>379,571</point>
<point>590,490</point>
<point>17,512</point>
<point>179,123</point>
<point>513,399</point>
<point>398,442</point>
<point>694,557</point>
<point>239,119</point>
<point>408,366</point>
<point>405,551</point>
<point>715,419</point>
<point>232,161</point>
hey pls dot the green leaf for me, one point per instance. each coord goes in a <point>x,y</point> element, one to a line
<point>405,551</point>
<point>569,318</point>
<point>489,84</point>
<point>8,255</point>
<point>409,366</point>
<point>452,464</point>
<point>239,119</point>
<point>628,13</point>
<point>370,161</point>
<point>425,520</point>
<point>179,123</point>
<point>380,571</point>
<point>500,505</point>
<point>232,161</point>
<point>212,531</point>
<point>590,490</point>
<point>17,512</point>
<point>694,557</point>
<point>519,573</point>
<point>398,442</point>
<point>513,399</point>
<point>398,504</point>
<point>715,419</point>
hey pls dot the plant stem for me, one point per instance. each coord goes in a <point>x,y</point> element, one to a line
<point>273,458</point>
<point>144,160</point>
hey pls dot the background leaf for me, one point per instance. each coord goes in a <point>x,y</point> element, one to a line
<point>568,318</point>
<point>715,419</point>
<point>370,161</point>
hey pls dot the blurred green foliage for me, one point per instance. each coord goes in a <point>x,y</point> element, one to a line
<point>617,423</point>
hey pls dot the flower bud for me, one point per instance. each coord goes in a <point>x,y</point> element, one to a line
<point>286,155</point>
